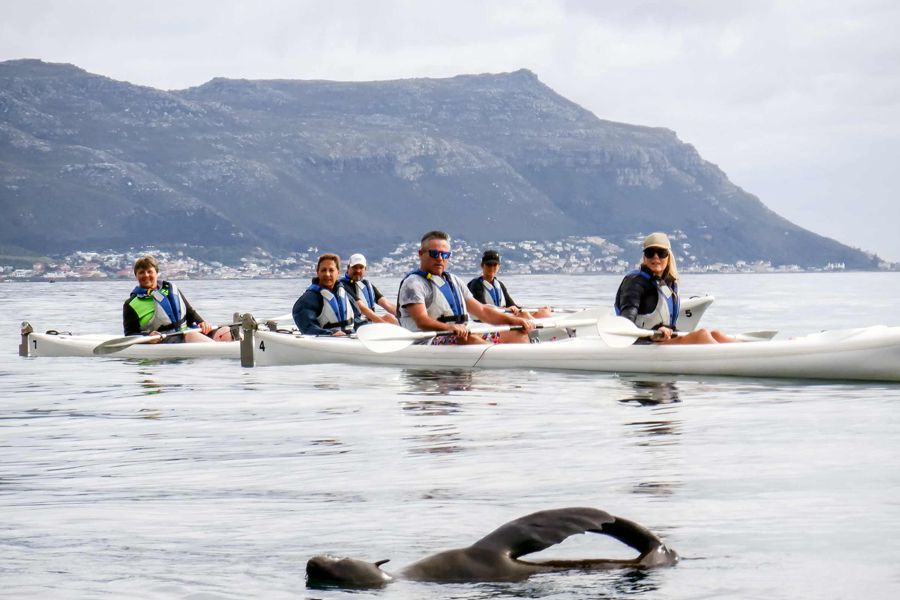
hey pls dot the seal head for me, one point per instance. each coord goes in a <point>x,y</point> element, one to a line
<point>334,571</point>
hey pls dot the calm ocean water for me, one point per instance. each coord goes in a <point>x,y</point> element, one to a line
<point>204,480</point>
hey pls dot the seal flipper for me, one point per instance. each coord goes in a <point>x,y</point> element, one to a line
<point>654,553</point>
<point>538,531</point>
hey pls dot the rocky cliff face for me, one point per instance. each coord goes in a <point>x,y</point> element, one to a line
<point>88,162</point>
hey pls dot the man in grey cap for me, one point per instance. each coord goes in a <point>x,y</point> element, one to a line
<point>365,294</point>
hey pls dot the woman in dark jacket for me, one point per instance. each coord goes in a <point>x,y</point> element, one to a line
<point>649,297</point>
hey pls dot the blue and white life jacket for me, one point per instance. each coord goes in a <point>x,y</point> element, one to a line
<point>159,309</point>
<point>448,304</point>
<point>336,313</point>
<point>364,290</point>
<point>493,295</point>
<point>667,305</point>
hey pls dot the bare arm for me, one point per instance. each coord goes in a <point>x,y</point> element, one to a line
<point>368,312</point>
<point>496,317</point>
<point>420,316</point>
<point>387,305</point>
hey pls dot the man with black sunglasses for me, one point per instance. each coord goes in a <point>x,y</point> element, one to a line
<point>649,297</point>
<point>431,299</point>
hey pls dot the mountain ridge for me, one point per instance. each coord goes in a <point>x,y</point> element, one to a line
<point>90,162</point>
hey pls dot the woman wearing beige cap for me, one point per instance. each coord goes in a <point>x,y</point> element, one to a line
<point>649,296</point>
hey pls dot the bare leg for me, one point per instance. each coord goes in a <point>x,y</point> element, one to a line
<point>513,337</point>
<point>194,337</point>
<point>700,336</point>
<point>222,334</point>
<point>542,313</point>
<point>473,339</point>
<point>722,338</point>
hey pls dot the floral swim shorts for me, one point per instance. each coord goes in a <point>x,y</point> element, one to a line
<point>453,340</point>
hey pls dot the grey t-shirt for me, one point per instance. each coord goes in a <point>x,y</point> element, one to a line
<point>418,290</point>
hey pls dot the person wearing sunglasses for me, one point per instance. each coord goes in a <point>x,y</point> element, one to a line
<point>649,297</point>
<point>431,299</point>
<point>325,307</point>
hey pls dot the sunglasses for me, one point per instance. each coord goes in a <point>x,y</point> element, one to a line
<point>660,252</point>
<point>440,254</point>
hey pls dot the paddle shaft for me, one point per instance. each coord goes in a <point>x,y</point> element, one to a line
<point>117,344</point>
<point>384,337</point>
<point>481,329</point>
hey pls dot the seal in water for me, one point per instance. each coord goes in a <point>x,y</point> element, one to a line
<point>495,557</point>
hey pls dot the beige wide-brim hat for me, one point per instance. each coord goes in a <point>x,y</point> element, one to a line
<point>657,240</point>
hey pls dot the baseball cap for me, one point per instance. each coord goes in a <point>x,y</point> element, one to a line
<point>490,257</point>
<point>657,240</point>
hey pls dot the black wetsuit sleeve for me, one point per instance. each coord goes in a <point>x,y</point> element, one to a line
<point>130,321</point>
<point>629,296</point>
<point>509,300</point>
<point>306,311</point>
<point>378,295</point>
<point>477,288</point>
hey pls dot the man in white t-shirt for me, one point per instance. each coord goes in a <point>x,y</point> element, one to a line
<point>431,299</point>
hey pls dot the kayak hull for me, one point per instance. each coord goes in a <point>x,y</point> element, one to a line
<point>867,354</point>
<point>65,344</point>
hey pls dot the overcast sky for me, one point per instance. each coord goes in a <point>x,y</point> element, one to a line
<point>798,102</point>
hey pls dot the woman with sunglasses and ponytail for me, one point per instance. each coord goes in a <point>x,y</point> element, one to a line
<point>649,297</point>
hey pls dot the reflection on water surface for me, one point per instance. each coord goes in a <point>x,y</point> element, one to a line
<point>224,480</point>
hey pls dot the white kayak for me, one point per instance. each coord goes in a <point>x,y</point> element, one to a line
<point>869,354</point>
<point>66,344</point>
<point>53,343</point>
